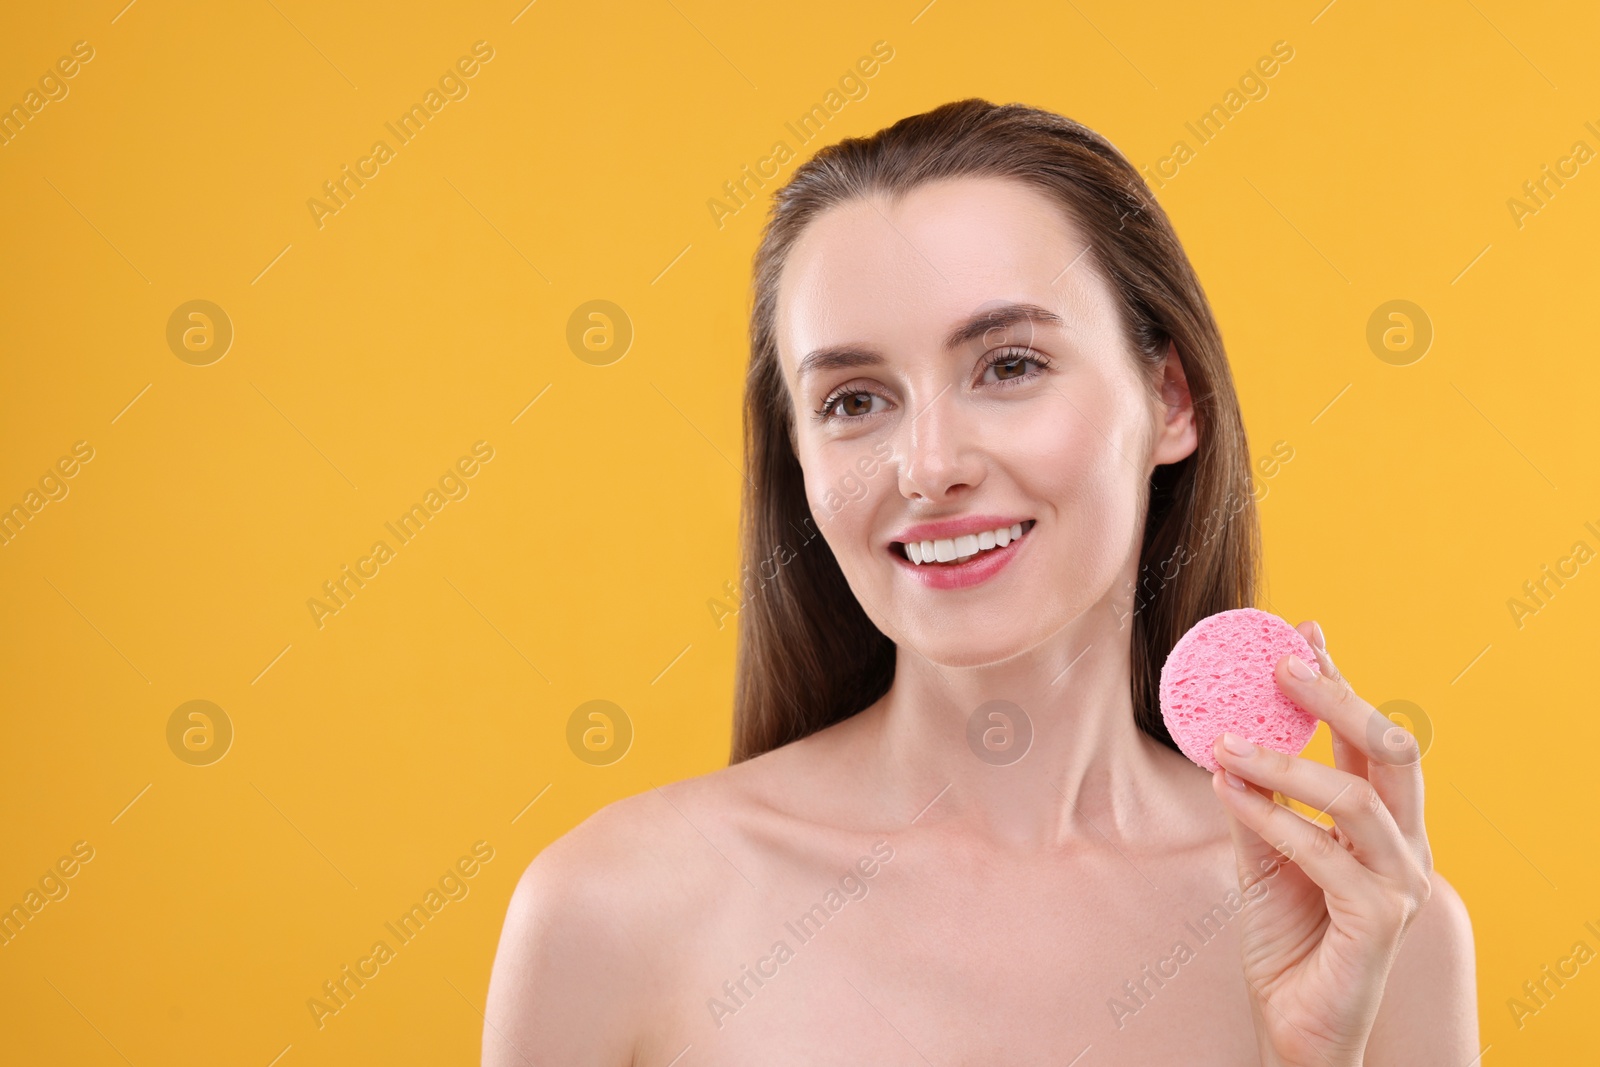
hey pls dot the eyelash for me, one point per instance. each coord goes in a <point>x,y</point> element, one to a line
<point>1007,355</point>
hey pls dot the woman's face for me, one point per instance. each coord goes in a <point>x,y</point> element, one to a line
<point>958,369</point>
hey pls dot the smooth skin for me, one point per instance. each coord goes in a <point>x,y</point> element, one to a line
<point>964,912</point>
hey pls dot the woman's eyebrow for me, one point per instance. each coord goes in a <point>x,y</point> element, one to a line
<point>844,357</point>
<point>1000,317</point>
<point>838,357</point>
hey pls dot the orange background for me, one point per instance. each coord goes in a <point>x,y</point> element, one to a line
<point>371,352</point>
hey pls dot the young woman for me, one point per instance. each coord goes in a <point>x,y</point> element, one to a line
<point>996,467</point>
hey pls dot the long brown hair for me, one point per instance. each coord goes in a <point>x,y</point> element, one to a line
<point>808,655</point>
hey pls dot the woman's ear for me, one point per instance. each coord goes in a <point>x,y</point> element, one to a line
<point>1176,433</point>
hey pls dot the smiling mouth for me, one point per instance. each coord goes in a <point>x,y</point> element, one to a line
<point>953,551</point>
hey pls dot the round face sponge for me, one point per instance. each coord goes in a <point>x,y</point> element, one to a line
<point>1220,677</point>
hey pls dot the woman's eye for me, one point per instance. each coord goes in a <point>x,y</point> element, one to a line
<point>850,405</point>
<point>1015,365</point>
<point>1012,366</point>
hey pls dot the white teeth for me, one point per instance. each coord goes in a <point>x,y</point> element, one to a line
<point>960,549</point>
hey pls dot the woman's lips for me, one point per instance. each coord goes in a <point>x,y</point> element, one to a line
<point>976,569</point>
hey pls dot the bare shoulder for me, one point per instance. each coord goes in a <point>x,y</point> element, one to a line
<point>582,955</point>
<point>565,939</point>
<point>1429,1013</point>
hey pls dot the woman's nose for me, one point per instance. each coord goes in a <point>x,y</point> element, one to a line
<point>939,453</point>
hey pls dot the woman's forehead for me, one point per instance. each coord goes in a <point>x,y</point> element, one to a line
<point>908,269</point>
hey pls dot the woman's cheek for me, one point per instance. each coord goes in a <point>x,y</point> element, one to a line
<point>1119,528</point>
<point>1092,496</point>
<point>837,496</point>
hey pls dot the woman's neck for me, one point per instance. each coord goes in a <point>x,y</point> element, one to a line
<point>1087,772</point>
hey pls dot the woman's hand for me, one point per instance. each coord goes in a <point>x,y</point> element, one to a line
<point>1317,945</point>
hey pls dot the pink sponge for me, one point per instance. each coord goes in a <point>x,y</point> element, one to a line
<point>1220,677</point>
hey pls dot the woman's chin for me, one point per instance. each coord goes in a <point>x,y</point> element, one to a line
<point>968,644</point>
<point>969,652</point>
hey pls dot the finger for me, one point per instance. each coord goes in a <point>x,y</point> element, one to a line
<point>1339,874</point>
<point>1355,805</point>
<point>1256,858</point>
<point>1312,633</point>
<point>1346,757</point>
<point>1396,772</point>
<point>1383,734</point>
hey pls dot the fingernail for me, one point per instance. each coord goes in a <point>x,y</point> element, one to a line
<point>1316,636</point>
<point>1299,669</point>
<point>1237,745</point>
<point>1233,779</point>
